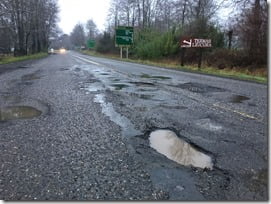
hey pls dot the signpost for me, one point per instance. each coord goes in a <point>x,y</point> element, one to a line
<point>194,43</point>
<point>124,38</point>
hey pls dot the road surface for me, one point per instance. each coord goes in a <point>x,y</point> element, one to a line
<point>75,127</point>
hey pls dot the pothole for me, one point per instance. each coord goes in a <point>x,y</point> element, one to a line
<point>173,107</point>
<point>142,96</point>
<point>199,88</point>
<point>23,67</point>
<point>64,69</point>
<point>119,86</point>
<point>167,143</point>
<point>238,99</point>
<point>154,77</point>
<point>29,77</point>
<point>139,83</point>
<point>77,69</point>
<point>18,112</point>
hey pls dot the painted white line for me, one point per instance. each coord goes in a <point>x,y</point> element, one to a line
<point>86,60</point>
<point>238,112</point>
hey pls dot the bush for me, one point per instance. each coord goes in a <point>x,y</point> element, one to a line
<point>152,45</point>
<point>224,58</point>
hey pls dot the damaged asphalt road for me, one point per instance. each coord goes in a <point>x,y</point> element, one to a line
<point>74,127</point>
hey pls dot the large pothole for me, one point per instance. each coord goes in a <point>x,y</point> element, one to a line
<point>167,143</point>
<point>18,112</point>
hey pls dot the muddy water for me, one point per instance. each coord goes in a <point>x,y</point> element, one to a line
<point>167,143</point>
<point>18,112</point>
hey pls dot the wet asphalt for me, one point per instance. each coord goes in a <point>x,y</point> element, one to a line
<point>86,126</point>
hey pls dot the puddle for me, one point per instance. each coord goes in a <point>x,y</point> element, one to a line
<point>18,112</point>
<point>127,127</point>
<point>154,77</point>
<point>119,86</point>
<point>238,99</point>
<point>167,143</point>
<point>92,87</point>
<point>199,88</point>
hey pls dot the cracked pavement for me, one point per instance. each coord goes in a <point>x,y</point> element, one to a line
<point>90,141</point>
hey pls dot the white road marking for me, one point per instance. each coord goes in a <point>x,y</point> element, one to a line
<point>86,60</point>
<point>238,112</point>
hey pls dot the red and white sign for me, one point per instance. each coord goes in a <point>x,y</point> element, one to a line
<point>195,42</point>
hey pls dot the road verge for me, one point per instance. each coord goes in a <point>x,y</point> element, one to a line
<point>227,73</point>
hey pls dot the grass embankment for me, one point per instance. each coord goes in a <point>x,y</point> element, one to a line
<point>11,59</point>
<point>258,75</point>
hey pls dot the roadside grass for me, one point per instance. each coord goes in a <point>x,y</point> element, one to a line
<point>11,59</point>
<point>259,75</point>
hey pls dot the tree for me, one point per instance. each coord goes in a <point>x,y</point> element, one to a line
<point>29,23</point>
<point>78,38</point>
<point>91,29</point>
<point>251,27</point>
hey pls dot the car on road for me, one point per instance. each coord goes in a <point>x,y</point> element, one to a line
<point>51,51</point>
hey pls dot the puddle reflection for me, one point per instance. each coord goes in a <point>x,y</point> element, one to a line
<point>18,112</point>
<point>167,143</point>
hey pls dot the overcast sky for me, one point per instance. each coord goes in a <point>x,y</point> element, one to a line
<point>75,11</point>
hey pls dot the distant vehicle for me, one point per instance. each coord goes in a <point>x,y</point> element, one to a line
<point>62,50</point>
<point>51,51</point>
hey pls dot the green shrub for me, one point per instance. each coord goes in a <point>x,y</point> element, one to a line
<point>152,45</point>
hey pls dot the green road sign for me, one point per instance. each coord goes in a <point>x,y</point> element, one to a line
<point>91,44</point>
<point>124,36</point>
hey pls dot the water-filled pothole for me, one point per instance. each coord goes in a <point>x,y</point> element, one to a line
<point>167,143</point>
<point>18,112</point>
<point>238,99</point>
<point>120,86</point>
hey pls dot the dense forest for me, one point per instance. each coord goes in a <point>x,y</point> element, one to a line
<point>239,39</point>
